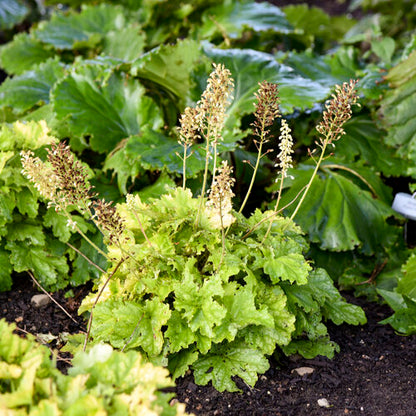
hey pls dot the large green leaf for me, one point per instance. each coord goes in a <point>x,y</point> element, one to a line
<point>398,110</point>
<point>339,214</point>
<point>170,66</point>
<point>363,141</point>
<point>249,67</point>
<point>22,53</point>
<point>232,18</point>
<point>12,12</point>
<point>23,92</point>
<point>154,151</point>
<point>84,29</point>
<point>5,270</point>
<point>106,111</point>
<point>46,267</point>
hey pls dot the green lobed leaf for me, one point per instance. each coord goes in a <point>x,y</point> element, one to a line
<point>170,67</point>
<point>398,110</point>
<point>292,267</point>
<point>227,360</point>
<point>32,88</point>
<point>47,268</point>
<point>23,53</point>
<point>130,324</point>
<point>152,150</point>
<point>311,348</point>
<point>84,29</point>
<point>338,214</point>
<point>12,12</point>
<point>233,18</point>
<point>125,43</point>
<point>5,271</point>
<point>407,283</point>
<point>107,112</point>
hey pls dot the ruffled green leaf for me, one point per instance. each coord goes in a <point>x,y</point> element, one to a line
<point>407,283</point>
<point>84,29</point>
<point>291,267</point>
<point>233,18</point>
<point>228,360</point>
<point>129,325</point>
<point>47,268</point>
<point>23,53</point>
<point>32,88</point>
<point>5,271</point>
<point>107,111</point>
<point>398,110</point>
<point>170,67</point>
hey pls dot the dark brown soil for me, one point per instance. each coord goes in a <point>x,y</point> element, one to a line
<point>374,374</point>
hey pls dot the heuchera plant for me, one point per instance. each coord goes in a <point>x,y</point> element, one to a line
<point>100,382</point>
<point>195,284</point>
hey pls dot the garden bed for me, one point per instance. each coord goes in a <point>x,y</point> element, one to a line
<point>374,373</point>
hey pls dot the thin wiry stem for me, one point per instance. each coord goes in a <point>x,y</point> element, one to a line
<point>87,336</point>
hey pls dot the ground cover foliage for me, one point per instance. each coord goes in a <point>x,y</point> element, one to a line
<point>112,79</point>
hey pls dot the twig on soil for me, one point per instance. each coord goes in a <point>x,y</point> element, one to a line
<point>51,298</point>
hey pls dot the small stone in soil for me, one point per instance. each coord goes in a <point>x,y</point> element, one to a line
<point>303,371</point>
<point>40,300</point>
<point>323,403</point>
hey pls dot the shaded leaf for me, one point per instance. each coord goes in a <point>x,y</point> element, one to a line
<point>31,88</point>
<point>22,54</point>
<point>338,214</point>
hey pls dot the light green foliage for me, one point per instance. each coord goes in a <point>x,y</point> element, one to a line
<point>32,236</point>
<point>403,299</point>
<point>398,110</point>
<point>101,381</point>
<point>179,300</point>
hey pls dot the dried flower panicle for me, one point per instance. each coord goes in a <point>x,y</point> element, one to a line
<point>338,111</point>
<point>71,176</point>
<point>214,102</point>
<point>267,108</point>
<point>219,204</point>
<point>41,175</point>
<point>189,126</point>
<point>286,149</point>
<point>108,219</point>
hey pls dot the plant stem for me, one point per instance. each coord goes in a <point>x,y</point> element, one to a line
<point>275,207</point>
<point>204,182</point>
<point>259,156</point>
<point>318,164</point>
<point>96,301</point>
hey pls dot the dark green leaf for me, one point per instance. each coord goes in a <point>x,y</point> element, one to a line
<point>108,112</point>
<point>232,18</point>
<point>31,88</point>
<point>22,54</point>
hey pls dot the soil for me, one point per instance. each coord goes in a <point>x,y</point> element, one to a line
<point>374,373</point>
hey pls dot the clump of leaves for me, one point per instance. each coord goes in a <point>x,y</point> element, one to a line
<point>195,284</point>
<point>102,381</point>
<point>34,237</point>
